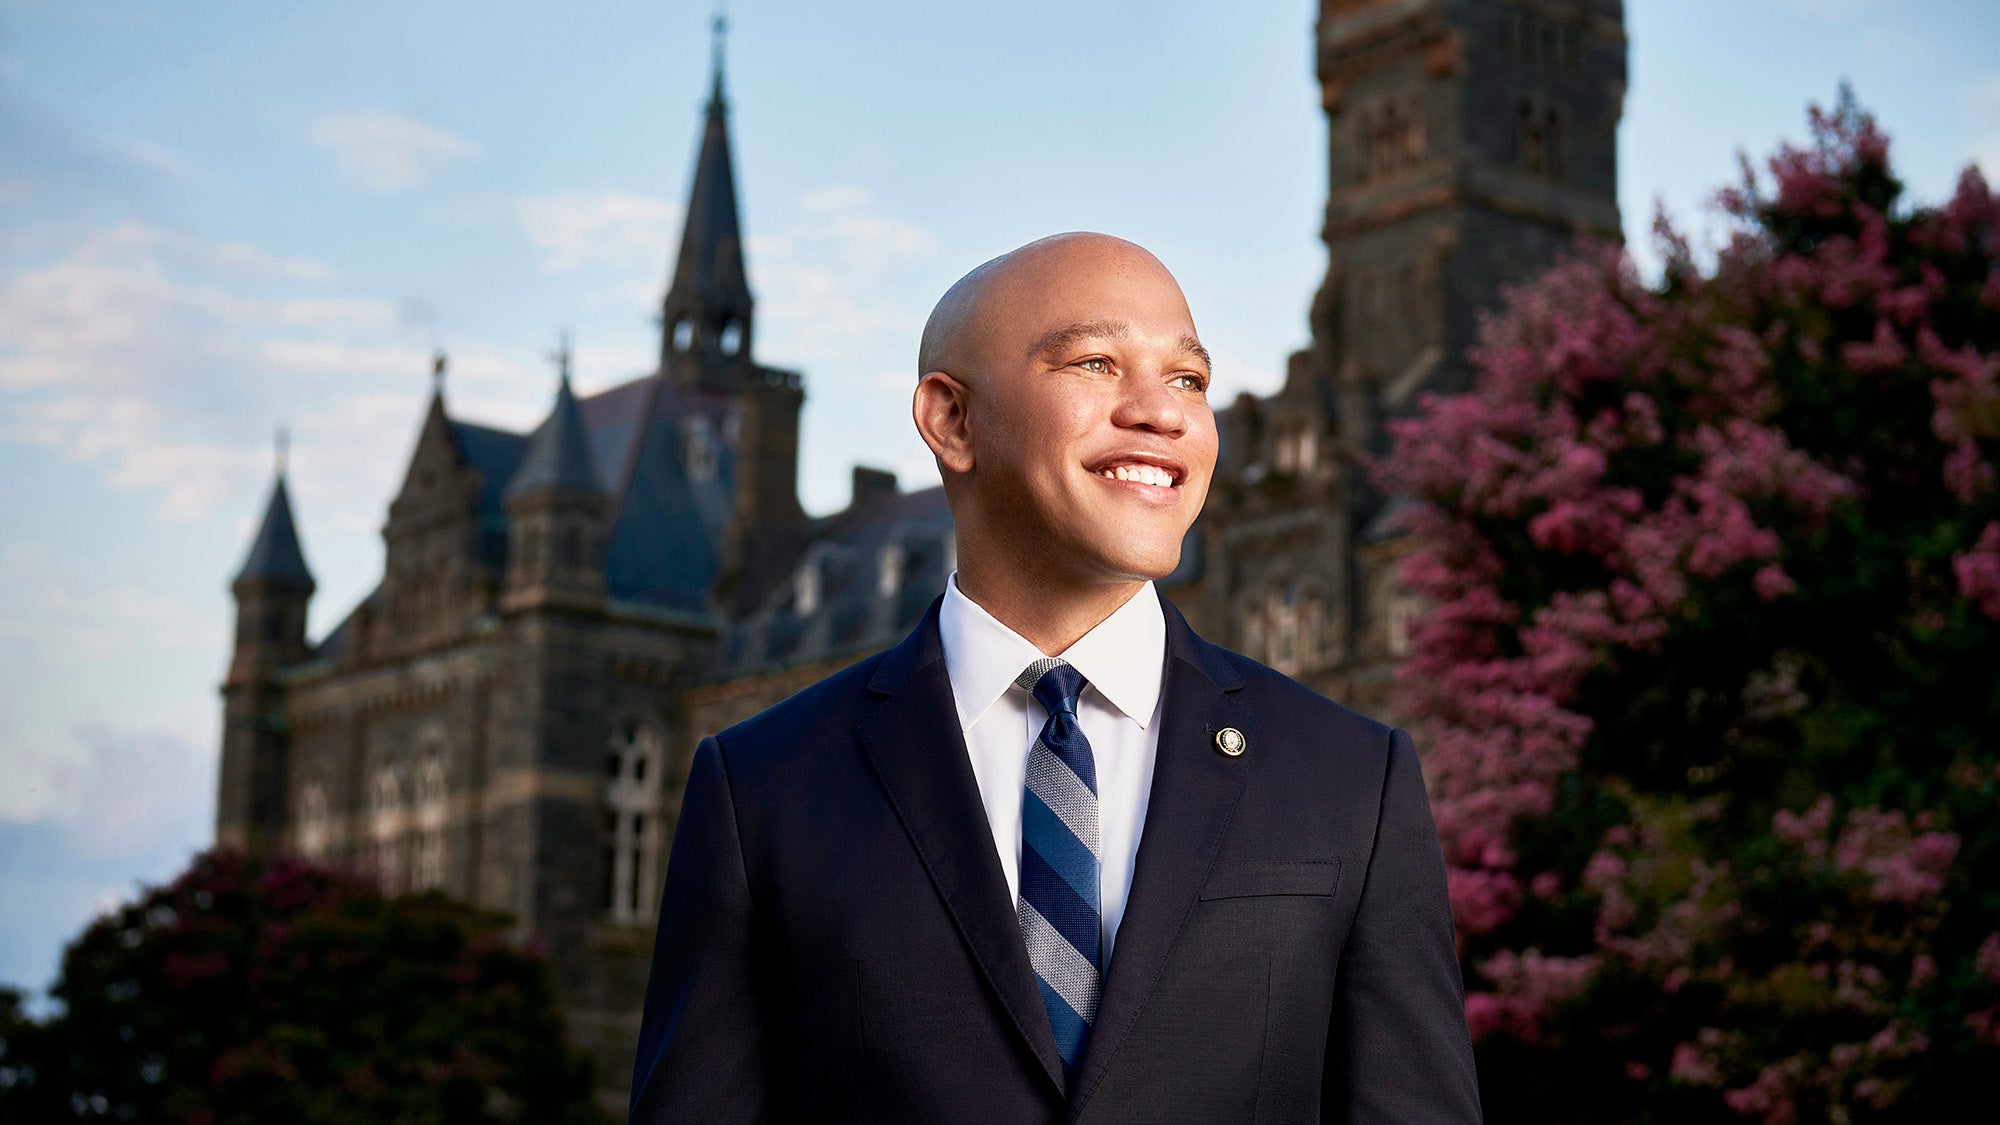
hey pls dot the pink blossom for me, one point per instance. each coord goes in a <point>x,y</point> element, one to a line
<point>1693,1066</point>
<point>1978,571</point>
<point>1986,961</point>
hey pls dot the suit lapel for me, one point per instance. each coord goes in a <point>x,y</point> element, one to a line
<point>1193,798</point>
<point>917,749</point>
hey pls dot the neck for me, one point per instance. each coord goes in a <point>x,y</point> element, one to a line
<point>1049,614</point>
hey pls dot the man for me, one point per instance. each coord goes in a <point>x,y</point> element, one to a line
<point>967,881</point>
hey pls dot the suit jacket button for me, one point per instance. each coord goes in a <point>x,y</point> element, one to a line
<point>1231,742</point>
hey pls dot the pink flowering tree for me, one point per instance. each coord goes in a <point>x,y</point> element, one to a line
<point>1710,680</point>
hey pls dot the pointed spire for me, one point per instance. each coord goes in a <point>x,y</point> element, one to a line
<point>708,307</point>
<point>275,552</point>
<point>718,29</point>
<point>558,455</point>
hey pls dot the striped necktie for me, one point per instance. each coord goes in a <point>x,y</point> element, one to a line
<point>1060,904</point>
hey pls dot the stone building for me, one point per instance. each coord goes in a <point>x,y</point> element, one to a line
<point>509,715</point>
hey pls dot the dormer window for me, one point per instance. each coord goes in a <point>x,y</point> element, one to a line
<point>805,587</point>
<point>889,566</point>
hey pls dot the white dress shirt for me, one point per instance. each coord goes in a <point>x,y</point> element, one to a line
<point>1123,660</point>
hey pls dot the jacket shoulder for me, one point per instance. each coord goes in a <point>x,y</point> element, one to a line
<point>1283,701</point>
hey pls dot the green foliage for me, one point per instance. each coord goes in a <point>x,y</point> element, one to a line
<point>292,993</point>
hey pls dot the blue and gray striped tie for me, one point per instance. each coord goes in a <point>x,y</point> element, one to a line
<point>1060,903</point>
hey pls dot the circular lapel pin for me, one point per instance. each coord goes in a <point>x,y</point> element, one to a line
<point>1231,742</point>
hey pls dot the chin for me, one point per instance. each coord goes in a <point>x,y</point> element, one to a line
<point>1147,563</point>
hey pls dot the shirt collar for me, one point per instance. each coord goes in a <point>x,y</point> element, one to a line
<point>1124,657</point>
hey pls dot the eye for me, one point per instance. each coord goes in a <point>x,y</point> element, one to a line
<point>1190,381</point>
<point>1096,365</point>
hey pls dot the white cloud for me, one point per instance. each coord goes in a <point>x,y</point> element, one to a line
<point>610,229</point>
<point>824,282</point>
<point>124,786</point>
<point>384,150</point>
<point>163,362</point>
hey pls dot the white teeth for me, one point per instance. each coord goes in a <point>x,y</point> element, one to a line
<point>1142,474</point>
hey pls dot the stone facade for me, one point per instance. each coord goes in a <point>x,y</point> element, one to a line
<point>509,716</point>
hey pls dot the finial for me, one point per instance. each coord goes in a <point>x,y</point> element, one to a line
<point>282,450</point>
<point>561,356</point>
<point>719,28</point>
<point>438,362</point>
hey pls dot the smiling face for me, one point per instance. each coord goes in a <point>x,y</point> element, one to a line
<point>1078,443</point>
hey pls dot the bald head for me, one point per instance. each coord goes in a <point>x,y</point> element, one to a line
<point>962,328</point>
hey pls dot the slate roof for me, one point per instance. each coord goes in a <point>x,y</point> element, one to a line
<point>275,552</point>
<point>495,454</point>
<point>559,455</point>
<point>855,610</point>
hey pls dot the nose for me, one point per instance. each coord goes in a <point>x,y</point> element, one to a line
<point>1148,403</point>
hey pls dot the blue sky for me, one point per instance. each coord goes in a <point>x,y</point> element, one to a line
<point>220,218</point>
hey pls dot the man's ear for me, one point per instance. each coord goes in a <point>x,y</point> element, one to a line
<point>942,412</point>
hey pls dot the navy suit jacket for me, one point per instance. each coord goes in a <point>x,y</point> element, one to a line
<point>837,942</point>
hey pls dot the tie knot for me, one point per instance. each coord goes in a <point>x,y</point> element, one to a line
<point>1054,683</point>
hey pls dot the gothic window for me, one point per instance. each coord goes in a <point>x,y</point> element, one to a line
<point>385,829</point>
<point>731,337</point>
<point>1399,608</point>
<point>427,867</point>
<point>1309,630</point>
<point>1308,455</point>
<point>314,820</point>
<point>683,334</point>
<point>1532,139</point>
<point>1285,630</point>
<point>631,821</point>
<point>1552,143</point>
<point>1407,300</point>
<point>1252,617</point>
<point>1283,457</point>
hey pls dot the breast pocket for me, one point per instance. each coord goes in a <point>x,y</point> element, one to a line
<point>1266,877</point>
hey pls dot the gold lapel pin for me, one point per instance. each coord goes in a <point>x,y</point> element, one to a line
<point>1231,742</point>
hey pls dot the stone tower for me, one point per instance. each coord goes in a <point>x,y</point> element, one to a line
<point>272,590</point>
<point>1469,143</point>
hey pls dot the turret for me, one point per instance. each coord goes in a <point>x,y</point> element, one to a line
<point>272,590</point>
<point>555,511</point>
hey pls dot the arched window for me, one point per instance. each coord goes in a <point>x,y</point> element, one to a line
<point>314,820</point>
<point>634,764</point>
<point>731,337</point>
<point>1285,630</point>
<point>427,866</point>
<point>683,334</point>
<point>386,851</point>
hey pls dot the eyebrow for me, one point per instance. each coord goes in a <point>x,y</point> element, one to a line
<point>1062,339</point>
